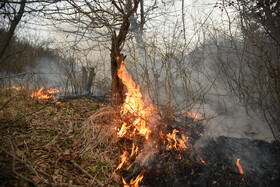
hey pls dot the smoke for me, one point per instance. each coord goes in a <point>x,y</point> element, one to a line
<point>198,85</point>
<point>48,73</point>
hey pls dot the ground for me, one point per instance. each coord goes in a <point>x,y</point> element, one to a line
<point>74,143</point>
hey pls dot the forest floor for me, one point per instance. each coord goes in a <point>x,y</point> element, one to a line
<point>74,143</point>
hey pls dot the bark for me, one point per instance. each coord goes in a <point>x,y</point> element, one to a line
<point>12,28</point>
<point>118,89</point>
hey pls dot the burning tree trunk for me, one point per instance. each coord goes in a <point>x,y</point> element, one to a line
<point>118,89</point>
<point>118,40</point>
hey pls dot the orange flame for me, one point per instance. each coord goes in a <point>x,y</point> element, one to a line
<point>134,105</point>
<point>174,142</point>
<point>16,88</point>
<point>193,115</point>
<point>136,181</point>
<point>44,94</point>
<point>123,130</point>
<point>201,160</point>
<point>123,159</point>
<point>138,114</point>
<point>134,150</point>
<point>239,166</point>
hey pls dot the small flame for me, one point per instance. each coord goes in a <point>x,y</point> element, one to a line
<point>123,130</point>
<point>16,88</point>
<point>193,115</point>
<point>174,142</point>
<point>239,166</point>
<point>201,160</point>
<point>135,182</point>
<point>45,94</point>
<point>179,157</point>
<point>134,150</point>
<point>123,159</point>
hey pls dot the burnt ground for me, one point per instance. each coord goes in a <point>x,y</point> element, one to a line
<point>260,161</point>
<point>74,144</point>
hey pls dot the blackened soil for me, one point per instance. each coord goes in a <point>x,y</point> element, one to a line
<point>259,160</point>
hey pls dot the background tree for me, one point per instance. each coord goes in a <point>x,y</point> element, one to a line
<point>13,11</point>
<point>102,22</point>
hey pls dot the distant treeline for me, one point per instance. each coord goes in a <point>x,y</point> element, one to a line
<point>22,53</point>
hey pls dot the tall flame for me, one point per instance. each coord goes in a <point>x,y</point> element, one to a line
<point>138,114</point>
<point>134,105</point>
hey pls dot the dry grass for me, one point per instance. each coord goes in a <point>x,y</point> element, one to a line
<point>72,143</point>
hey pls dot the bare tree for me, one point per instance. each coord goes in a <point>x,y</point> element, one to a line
<point>9,9</point>
<point>101,21</point>
<point>250,63</point>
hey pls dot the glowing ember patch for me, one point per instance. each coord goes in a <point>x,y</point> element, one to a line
<point>239,166</point>
<point>136,181</point>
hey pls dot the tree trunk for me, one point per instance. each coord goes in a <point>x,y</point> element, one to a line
<point>90,79</point>
<point>12,28</point>
<point>118,88</point>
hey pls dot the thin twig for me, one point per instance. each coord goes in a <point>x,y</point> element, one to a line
<point>13,165</point>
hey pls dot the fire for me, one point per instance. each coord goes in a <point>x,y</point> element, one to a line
<point>137,115</point>
<point>16,88</point>
<point>239,166</point>
<point>123,159</point>
<point>175,142</point>
<point>193,115</point>
<point>133,151</point>
<point>136,181</point>
<point>201,160</point>
<point>44,94</point>
<point>134,105</point>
